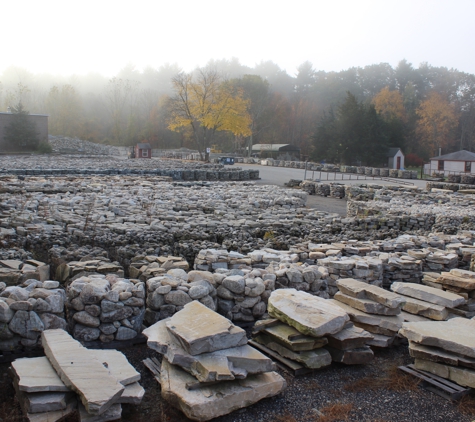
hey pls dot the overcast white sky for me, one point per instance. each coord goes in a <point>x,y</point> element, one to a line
<point>76,37</point>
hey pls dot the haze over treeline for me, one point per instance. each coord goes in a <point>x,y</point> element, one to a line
<point>421,108</point>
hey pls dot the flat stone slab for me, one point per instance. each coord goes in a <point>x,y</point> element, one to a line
<point>289,336</point>
<point>133,394</point>
<point>111,414</point>
<point>81,371</point>
<point>227,364</point>
<point>428,294</point>
<point>450,279</point>
<point>452,335</point>
<point>361,290</point>
<point>55,415</point>
<point>349,338</point>
<point>461,376</point>
<point>380,340</point>
<point>434,354</point>
<point>211,401</point>
<point>366,305</point>
<point>310,315</point>
<point>199,330</point>
<point>313,359</point>
<point>357,356</point>
<point>117,365</point>
<point>426,309</point>
<point>37,375</point>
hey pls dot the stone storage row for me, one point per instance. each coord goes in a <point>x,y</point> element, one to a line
<point>105,308</point>
<point>70,377</point>
<point>27,310</point>
<point>443,348</point>
<point>466,182</point>
<point>311,331</point>
<point>208,369</point>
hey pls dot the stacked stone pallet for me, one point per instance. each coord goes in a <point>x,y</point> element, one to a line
<point>373,309</point>
<point>443,348</point>
<point>27,310</point>
<point>86,266</point>
<point>170,292</point>
<point>95,383</point>
<point>337,190</point>
<point>311,331</point>
<point>105,308</point>
<point>149,266</point>
<point>208,369</point>
<point>400,266</point>
<point>16,271</point>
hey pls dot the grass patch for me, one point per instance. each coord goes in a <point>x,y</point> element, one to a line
<point>466,405</point>
<point>335,412</point>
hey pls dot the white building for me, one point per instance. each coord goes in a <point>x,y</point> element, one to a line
<point>395,158</point>
<point>453,163</point>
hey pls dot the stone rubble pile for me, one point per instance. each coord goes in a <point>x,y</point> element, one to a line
<point>105,308</point>
<point>95,383</point>
<point>145,267</point>
<point>26,310</point>
<point>208,369</point>
<point>311,331</point>
<point>16,271</point>
<point>443,348</point>
<point>66,145</point>
<point>87,266</point>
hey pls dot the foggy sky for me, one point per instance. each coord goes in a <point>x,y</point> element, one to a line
<point>65,37</point>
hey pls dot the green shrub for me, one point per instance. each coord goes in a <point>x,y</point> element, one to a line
<point>44,148</point>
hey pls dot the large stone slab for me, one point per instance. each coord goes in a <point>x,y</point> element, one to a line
<point>357,356</point>
<point>81,371</point>
<point>53,416</point>
<point>461,376</point>
<point>366,305</point>
<point>361,290</point>
<point>211,401</point>
<point>313,359</point>
<point>201,330</point>
<point>452,335</point>
<point>428,294</point>
<point>426,309</point>
<point>380,340</point>
<point>133,394</point>
<point>434,354</point>
<point>310,315</point>
<point>228,364</point>
<point>349,338</point>
<point>37,375</point>
<point>112,414</point>
<point>449,279</point>
<point>289,336</point>
<point>117,365</point>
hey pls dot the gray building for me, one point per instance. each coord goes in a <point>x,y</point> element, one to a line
<point>40,121</point>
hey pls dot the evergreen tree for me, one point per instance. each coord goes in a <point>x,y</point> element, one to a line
<point>21,132</point>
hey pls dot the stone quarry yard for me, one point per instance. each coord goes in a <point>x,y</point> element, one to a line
<point>374,392</point>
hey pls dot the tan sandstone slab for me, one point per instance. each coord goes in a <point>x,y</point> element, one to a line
<point>361,290</point>
<point>199,330</point>
<point>428,294</point>
<point>426,309</point>
<point>366,305</point>
<point>113,413</point>
<point>434,354</point>
<point>310,315</point>
<point>227,364</point>
<point>349,338</point>
<point>133,394</point>
<point>211,401</point>
<point>449,279</point>
<point>81,371</point>
<point>452,335</point>
<point>461,376</point>
<point>117,365</point>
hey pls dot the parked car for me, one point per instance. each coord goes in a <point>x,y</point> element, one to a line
<point>226,160</point>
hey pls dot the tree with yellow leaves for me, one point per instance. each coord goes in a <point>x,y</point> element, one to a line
<point>437,121</point>
<point>389,104</point>
<point>208,104</point>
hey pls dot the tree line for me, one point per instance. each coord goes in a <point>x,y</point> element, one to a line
<point>347,116</point>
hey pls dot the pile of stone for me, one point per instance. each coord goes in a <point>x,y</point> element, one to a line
<point>15,271</point>
<point>105,308</point>
<point>401,266</point>
<point>145,267</point>
<point>208,369</point>
<point>66,145</point>
<point>169,293</point>
<point>27,310</point>
<point>373,309</point>
<point>443,348</point>
<point>70,377</point>
<point>311,331</point>
<point>87,266</point>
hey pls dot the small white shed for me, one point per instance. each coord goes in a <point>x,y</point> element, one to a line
<point>395,158</point>
<point>456,162</point>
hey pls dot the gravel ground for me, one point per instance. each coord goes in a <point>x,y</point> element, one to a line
<point>377,392</point>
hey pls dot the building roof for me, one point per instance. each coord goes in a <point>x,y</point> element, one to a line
<point>274,147</point>
<point>462,155</point>
<point>29,114</point>
<point>144,145</point>
<point>393,151</point>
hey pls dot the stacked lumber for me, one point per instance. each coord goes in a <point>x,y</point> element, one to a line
<point>443,348</point>
<point>208,369</point>
<point>373,309</point>
<point>48,388</point>
<point>311,331</point>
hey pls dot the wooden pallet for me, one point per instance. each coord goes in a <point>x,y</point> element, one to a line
<point>288,365</point>
<point>440,386</point>
<point>116,344</point>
